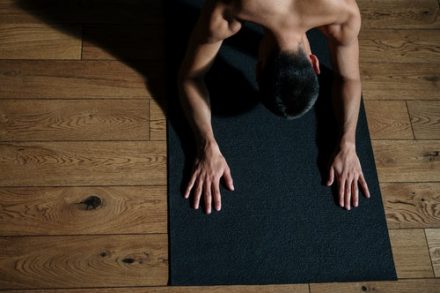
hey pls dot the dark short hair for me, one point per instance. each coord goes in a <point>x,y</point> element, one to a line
<point>288,84</point>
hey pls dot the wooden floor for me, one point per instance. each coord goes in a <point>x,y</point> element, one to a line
<point>83,145</point>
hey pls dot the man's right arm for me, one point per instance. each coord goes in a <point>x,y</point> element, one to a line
<point>210,165</point>
<point>205,41</point>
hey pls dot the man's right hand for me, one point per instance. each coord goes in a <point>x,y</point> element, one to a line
<point>209,167</point>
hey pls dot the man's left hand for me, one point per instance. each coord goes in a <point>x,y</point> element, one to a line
<point>347,168</point>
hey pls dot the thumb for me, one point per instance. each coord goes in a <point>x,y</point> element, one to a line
<point>228,178</point>
<point>331,176</point>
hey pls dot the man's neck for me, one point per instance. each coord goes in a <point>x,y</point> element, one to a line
<point>289,41</point>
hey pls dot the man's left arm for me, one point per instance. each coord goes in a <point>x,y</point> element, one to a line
<point>346,98</point>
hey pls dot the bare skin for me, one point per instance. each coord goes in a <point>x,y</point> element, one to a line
<point>286,23</point>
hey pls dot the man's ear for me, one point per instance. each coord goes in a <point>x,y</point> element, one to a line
<point>315,63</point>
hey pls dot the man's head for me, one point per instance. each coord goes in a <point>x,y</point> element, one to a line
<point>288,81</point>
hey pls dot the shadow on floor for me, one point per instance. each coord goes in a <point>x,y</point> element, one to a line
<point>127,28</point>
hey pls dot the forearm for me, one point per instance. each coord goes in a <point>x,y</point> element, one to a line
<point>194,98</point>
<point>346,98</point>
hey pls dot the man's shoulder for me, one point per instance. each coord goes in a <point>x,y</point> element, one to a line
<point>346,25</point>
<point>342,9</point>
<point>217,20</point>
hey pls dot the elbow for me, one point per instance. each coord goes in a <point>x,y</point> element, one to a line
<point>188,85</point>
<point>186,80</point>
<point>338,78</point>
<point>182,82</point>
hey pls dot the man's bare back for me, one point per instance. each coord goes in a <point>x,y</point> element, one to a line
<point>286,23</point>
<point>286,19</point>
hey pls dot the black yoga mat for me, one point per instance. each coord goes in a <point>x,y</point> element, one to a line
<point>282,224</point>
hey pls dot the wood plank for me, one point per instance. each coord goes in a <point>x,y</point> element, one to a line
<point>123,42</point>
<point>27,120</point>
<point>78,11</point>
<point>83,261</point>
<point>388,119</point>
<point>411,253</point>
<point>158,123</point>
<point>56,79</point>
<point>282,288</point>
<point>83,163</point>
<point>400,81</point>
<point>407,160</point>
<point>433,238</point>
<point>83,210</point>
<point>391,45</point>
<point>420,14</point>
<point>399,286</point>
<point>425,119</point>
<point>411,205</point>
<point>39,41</point>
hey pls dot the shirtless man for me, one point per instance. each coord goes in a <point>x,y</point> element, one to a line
<point>286,74</point>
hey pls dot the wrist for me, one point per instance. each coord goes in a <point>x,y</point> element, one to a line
<point>347,144</point>
<point>207,145</point>
<point>347,139</point>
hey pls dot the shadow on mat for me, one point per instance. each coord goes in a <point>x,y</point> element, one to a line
<point>126,28</point>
